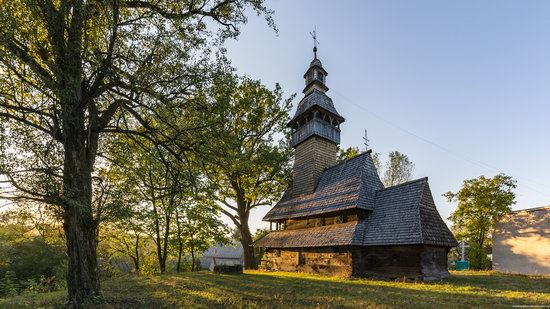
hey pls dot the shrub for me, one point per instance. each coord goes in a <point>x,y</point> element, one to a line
<point>8,284</point>
<point>31,264</point>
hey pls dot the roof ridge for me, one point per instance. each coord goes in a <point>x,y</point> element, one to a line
<point>531,209</point>
<point>346,161</point>
<point>405,183</point>
<point>419,206</point>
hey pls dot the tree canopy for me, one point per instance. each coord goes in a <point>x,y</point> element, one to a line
<point>398,169</point>
<point>481,203</point>
<point>247,167</point>
<point>72,71</point>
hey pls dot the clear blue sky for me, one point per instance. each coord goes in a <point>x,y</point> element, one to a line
<point>466,82</point>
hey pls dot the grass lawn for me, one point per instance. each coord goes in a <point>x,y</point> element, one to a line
<point>257,289</point>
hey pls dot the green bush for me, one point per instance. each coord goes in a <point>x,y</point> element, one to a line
<point>478,259</point>
<point>43,285</point>
<point>31,265</point>
<point>8,284</point>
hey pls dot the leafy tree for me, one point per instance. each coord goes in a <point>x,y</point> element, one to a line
<point>398,169</point>
<point>125,236</point>
<point>198,227</point>
<point>346,154</point>
<point>260,233</point>
<point>71,71</point>
<point>244,163</point>
<point>481,203</point>
<point>8,284</point>
<point>155,180</point>
<point>26,257</point>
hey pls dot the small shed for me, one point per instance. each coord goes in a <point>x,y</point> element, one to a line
<point>222,255</point>
<point>521,242</point>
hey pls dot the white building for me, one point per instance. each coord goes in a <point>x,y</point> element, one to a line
<point>521,242</point>
<point>222,255</point>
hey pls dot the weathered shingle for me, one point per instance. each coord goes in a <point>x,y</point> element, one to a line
<point>395,218</point>
<point>404,214</point>
<point>321,236</point>
<point>318,98</point>
<point>351,184</point>
<point>434,229</point>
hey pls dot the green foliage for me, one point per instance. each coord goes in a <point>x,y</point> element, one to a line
<point>34,258</point>
<point>346,154</point>
<point>43,285</point>
<point>248,165</point>
<point>74,72</point>
<point>260,233</point>
<point>27,262</point>
<point>398,169</point>
<point>32,255</point>
<point>9,285</point>
<point>481,203</point>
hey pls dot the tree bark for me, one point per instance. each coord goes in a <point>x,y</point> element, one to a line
<point>193,268</point>
<point>136,261</point>
<point>192,248</point>
<point>79,224</point>
<point>180,242</point>
<point>246,242</point>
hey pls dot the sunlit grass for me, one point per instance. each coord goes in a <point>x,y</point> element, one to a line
<point>257,289</point>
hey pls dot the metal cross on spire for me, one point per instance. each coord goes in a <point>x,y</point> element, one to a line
<point>315,41</point>
<point>366,139</point>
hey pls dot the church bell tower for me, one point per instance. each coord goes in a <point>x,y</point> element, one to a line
<point>315,130</point>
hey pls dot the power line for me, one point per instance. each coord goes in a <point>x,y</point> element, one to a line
<point>454,153</point>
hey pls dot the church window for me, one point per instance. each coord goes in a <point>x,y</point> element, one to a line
<point>319,76</point>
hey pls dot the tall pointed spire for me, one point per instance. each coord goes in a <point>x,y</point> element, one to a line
<point>315,129</point>
<point>316,109</point>
<point>315,41</point>
<point>315,74</point>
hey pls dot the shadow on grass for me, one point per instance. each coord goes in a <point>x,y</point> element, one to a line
<point>502,281</point>
<point>292,290</point>
<point>265,290</point>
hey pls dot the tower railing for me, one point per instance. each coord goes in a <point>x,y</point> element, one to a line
<point>316,127</point>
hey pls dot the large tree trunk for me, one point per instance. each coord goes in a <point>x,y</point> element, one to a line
<point>136,260</point>
<point>192,247</point>
<point>180,242</point>
<point>180,253</point>
<point>79,224</point>
<point>193,267</point>
<point>246,242</point>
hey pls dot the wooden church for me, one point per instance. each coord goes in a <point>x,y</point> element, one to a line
<point>338,218</point>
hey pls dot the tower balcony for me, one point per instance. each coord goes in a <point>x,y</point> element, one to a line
<point>316,127</point>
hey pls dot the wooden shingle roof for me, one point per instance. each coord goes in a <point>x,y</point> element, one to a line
<point>345,186</point>
<point>321,236</point>
<point>406,214</point>
<point>315,98</point>
<point>400,215</point>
